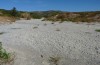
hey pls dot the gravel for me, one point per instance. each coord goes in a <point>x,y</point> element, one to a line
<point>35,43</point>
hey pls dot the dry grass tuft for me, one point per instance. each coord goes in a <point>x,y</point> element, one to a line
<point>57,29</point>
<point>54,60</point>
<point>26,16</point>
<point>35,27</point>
<point>45,24</point>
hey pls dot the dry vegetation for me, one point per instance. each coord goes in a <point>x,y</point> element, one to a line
<point>35,27</point>
<point>76,17</point>
<point>26,16</point>
<point>12,15</point>
<point>5,57</point>
<point>54,60</point>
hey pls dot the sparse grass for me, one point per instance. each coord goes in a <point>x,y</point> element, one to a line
<point>97,30</point>
<point>61,21</point>
<point>35,27</point>
<point>2,33</point>
<point>26,16</point>
<point>43,20</point>
<point>15,28</point>
<point>52,23</point>
<point>4,55</point>
<point>57,29</point>
<point>45,24</point>
<point>54,60</point>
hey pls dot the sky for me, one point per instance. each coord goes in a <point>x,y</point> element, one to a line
<point>44,5</point>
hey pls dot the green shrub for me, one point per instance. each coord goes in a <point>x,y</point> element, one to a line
<point>4,55</point>
<point>36,15</point>
<point>35,27</point>
<point>14,12</point>
<point>1,33</point>
<point>57,29</point>
<point>45,24</point>
<point>98,30</point>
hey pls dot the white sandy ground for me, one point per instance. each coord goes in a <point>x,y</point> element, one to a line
<point>74,44</point>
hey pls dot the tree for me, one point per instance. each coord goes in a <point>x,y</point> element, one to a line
<point>14,12</point>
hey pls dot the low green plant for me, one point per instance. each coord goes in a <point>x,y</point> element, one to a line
<point>35,27</point>
<point>52,23</point>
<point>57,29</point>
<point>97,30</point>
<point>15,28</point>
<point>1,33</point>
<point>4,55</point>
<point>45,24</point>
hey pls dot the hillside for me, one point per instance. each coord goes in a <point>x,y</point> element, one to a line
<point>92,16</point>
<point>76,16</point>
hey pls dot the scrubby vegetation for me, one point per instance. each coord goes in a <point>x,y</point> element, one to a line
<point>15,28</point>
<point>35,27</point>
<point>14,12</point>
<point>26,16</point>
<point>57,29</point>
<point>4,55</point>
<point>97,30</point>
<point>77,17</point>
<point>45,24</point>
<point>53,15</point>
<point>54,60</point>
<point>9,15</point>
<point>2,33</point>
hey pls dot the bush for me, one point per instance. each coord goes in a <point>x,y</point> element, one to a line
<point>57,29</point>
<point>14,12</point>
<point>35,27</point>
<point>4,55</point>
<point>36,15</point>
<point>26,16</point>
<point>2,33</point>
<point>98,30</point>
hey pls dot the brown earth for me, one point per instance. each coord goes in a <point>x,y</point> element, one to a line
<point>6,19</point>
